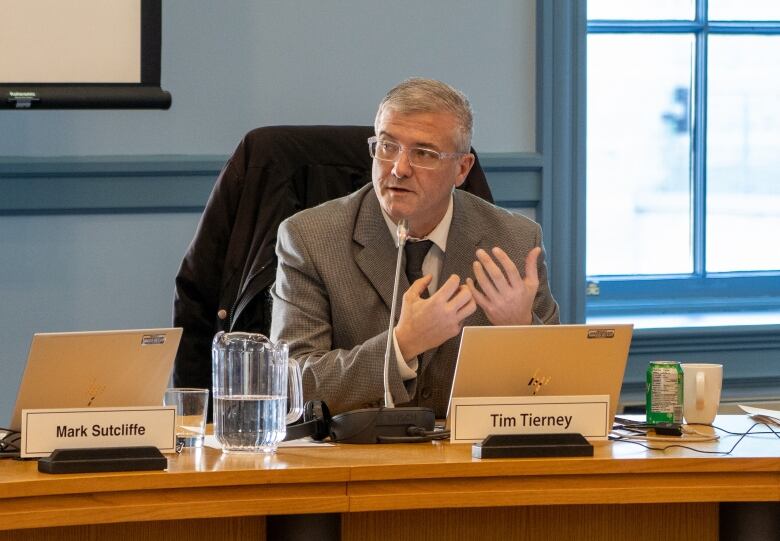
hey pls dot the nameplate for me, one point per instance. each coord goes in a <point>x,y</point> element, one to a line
<point>43,431</point>
<point>473,419</point>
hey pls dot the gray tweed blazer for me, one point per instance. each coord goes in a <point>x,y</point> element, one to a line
<point>334,286</point>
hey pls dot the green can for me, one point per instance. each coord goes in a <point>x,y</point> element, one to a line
<point>664,392</point>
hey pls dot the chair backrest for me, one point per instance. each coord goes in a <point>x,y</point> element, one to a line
<point>276,171</point>
<point>318,155</point>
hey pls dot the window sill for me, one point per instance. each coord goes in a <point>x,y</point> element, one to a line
<point>691,319</point>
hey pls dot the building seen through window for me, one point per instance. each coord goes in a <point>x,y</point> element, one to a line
<point>683,135</point>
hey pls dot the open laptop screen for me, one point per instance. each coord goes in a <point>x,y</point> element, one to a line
<point>97,369</point>
<point>543,360</point>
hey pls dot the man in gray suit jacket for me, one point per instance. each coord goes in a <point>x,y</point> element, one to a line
<point>334,282</point>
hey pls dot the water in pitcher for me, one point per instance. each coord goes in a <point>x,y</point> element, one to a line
<point>246,422</point>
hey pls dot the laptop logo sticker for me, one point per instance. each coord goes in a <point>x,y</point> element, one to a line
<point>601,333</point>
<point>152,339</point>
<point>537,382</point>
<point>94,390</point>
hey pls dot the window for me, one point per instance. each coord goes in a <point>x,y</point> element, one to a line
<point>683,160</point>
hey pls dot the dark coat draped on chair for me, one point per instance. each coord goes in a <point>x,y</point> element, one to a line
<point>223,281</point>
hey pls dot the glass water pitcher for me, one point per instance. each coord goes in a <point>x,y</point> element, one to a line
<point>257,391</point>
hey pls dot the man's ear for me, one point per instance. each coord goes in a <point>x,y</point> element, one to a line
<point>465,163</point>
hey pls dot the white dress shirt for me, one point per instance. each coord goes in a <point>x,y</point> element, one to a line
<point>432,264</point>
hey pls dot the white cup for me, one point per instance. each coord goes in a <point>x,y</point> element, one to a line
<point>702,392</point>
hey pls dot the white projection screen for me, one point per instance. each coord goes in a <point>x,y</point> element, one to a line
<point>81,54</point>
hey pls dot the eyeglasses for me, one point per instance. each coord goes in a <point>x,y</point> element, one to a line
<point>425,158</point>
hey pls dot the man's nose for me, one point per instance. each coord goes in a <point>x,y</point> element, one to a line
<point>402,168</point>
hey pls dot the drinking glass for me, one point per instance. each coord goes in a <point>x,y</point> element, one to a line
<point>190,414</point>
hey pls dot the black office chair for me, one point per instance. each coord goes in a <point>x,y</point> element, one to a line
<point>223,282</point>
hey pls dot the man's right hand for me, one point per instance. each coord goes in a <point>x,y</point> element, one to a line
<point>427,323</point>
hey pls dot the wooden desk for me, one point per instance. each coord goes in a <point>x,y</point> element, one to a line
<point>404,491</point>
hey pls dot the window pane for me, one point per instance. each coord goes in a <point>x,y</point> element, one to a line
<point>638,10</point>
<point>743,153</point>
<point>744,10</point>
<point>638,155</point>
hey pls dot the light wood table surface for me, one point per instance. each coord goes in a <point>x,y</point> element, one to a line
<point>403,491</point>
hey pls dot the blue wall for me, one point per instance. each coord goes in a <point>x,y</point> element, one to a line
<point>97,207</point>
<point>235,65</point>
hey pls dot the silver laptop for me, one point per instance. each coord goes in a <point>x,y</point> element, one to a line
<point>543,360</point>
<point>97,369</point>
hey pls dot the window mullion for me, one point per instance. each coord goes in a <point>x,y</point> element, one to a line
<point>702,11</point>
<point>699,161</point>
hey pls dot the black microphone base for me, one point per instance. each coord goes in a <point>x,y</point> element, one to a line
<point>381,425</point>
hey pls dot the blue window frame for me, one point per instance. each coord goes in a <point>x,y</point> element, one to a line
<point>696,289</point>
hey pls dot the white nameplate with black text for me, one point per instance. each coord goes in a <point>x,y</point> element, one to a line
<point>43,431</point>
<point>473,419</point>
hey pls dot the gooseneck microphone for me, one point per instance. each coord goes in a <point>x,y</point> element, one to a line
<point>401,233</point>
<point>387,424</point>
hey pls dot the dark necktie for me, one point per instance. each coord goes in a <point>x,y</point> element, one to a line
<point>415,253</point>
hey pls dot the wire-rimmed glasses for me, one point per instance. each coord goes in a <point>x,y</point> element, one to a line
<point>425,158</point>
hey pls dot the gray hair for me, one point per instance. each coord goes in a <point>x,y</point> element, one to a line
<point>418,95</point>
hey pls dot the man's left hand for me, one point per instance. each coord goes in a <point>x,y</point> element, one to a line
<point>506,297</point>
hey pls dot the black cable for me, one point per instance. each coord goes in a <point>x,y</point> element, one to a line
<point>421,435</point>
<point>10,441</point>
<point>771,430</point>
<point>10,446</point>
<point>637,427</point>
<point>416,434</point>
<point>408,439</point>
<point>742,436</point>
<point>440,432</point>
